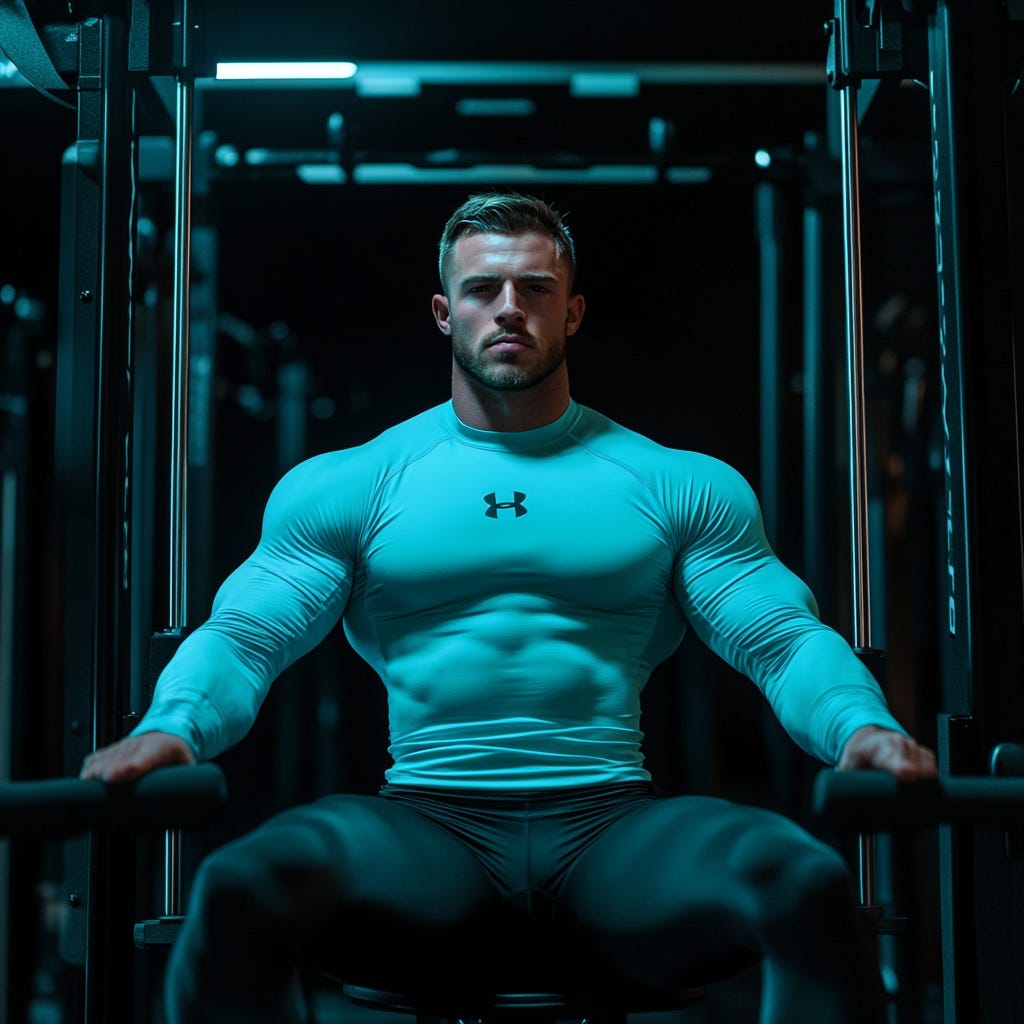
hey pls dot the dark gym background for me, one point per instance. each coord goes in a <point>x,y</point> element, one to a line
<point>335,281</point>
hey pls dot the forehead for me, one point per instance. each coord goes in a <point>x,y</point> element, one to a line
<point>495,254</point>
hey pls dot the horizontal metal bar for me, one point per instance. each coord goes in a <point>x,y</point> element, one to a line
<point>878,802</point>
<point>327,173</point>
<point>375,78</point>
<point>189,795</point>
<point>378,78</point>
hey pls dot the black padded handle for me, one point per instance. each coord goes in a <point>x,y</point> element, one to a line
<point>182,796</point>
<point>879,802</point>
<point>1007,759</point>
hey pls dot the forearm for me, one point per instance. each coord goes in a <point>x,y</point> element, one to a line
<point>823,695</point>
<point>279,604</point>
<point>208,695</point>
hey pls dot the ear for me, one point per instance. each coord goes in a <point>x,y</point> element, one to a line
<point>574,314</point>
<point>442,313</point>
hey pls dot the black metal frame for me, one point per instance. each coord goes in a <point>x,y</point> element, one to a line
<point>983,648</point>
<point>93,451</point>
<point>95,464</point>
<point>973,58</point>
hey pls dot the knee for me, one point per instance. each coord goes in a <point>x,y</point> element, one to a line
<point>792,873</point>
<point>819,876</point>
<point>231,885</point>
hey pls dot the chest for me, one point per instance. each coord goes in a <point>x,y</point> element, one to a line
<point>477,524</point>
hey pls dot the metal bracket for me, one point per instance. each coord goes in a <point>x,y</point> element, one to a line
<point>161,931</point>
<point>874,39</point>
<point>1007,760</point>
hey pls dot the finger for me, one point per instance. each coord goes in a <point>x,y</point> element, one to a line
<point>109,766</point>
<point>908,761</point>
<point>131,758</point>
<point>140,759</point>
<point>856,758</point>
<point>127,769</point>
<point>92,765</point>
<point>98,763</point>
<point>885,751</point>
<point>917,763</point>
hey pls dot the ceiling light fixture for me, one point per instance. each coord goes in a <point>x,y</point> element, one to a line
<point>285,70</point>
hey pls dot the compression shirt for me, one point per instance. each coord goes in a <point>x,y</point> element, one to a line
<point>514,590</point>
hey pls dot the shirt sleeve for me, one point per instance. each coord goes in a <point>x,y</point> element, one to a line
<point>279,604</point>
<point>763,620</point>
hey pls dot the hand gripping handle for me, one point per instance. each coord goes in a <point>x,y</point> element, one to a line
<point>878,802</point>
<point>180,796</point>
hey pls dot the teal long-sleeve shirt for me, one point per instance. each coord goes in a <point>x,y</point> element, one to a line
<point>514,590</point>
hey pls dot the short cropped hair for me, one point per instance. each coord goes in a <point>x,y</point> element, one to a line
<point>505,213</point>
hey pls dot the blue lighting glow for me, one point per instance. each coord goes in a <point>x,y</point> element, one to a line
<point>227,156</point>
<point>321,174</point>
<point>763,158</point>
<point>285,70</point>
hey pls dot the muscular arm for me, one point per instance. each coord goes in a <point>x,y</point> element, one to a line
<point>281,602</point>
<point>763,620</point>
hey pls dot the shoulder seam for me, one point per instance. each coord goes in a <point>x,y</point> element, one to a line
<point>408,462</point>
<point>615,462</point>
<point>611,459</point>
<point>372,497</point>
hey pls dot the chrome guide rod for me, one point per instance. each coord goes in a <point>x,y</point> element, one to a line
<point>860,576</point>
<point>860,548</point>
<point>183,116</point>
<point>184,104</point>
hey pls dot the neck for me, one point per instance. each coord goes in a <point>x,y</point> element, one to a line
<point>537,406</point>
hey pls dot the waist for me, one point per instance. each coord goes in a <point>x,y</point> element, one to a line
<point>517,754</point>
<point>556,798</point>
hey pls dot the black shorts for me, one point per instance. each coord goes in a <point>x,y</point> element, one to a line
<point>526,841</point>
<point>419,886</point>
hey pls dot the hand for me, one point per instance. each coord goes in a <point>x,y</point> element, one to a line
<point>885,750</point>
<point>135,756</point>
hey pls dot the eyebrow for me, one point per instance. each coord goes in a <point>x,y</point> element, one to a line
<point>527,276</point>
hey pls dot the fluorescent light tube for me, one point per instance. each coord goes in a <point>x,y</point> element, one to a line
<point>285,70</point>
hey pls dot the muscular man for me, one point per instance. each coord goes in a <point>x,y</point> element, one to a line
<point>514,565</point>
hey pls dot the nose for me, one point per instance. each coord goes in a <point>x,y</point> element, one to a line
<point>509,308</point>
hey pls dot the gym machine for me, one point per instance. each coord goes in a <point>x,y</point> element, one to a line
<point>982,657</point>
<point>178,797</point>
<point>130,67</point>
<point>971,56</point>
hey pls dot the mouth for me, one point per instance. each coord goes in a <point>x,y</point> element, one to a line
<point>507,343</point>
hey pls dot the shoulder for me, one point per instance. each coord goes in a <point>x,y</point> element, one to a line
<point>661,466</point>
<point>352,474</point>
<point>700,498</point>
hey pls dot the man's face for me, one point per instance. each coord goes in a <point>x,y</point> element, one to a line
<point>508,309</point>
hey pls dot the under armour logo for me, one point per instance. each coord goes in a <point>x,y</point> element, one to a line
<point>495,505</point>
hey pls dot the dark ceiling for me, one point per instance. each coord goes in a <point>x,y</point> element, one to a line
<point>661,30</point>
<point>782,46</point>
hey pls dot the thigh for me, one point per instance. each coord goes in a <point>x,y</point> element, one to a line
<point>355,878</point>
<point>676,891</point>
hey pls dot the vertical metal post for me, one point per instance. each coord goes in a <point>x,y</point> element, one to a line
<point>9,562</point>
<point>822,294</point>
<point>975,126</point>
<point>860,547</point>
<point>92,459</point>
<point>184,106</point>
<point>766,200</point>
